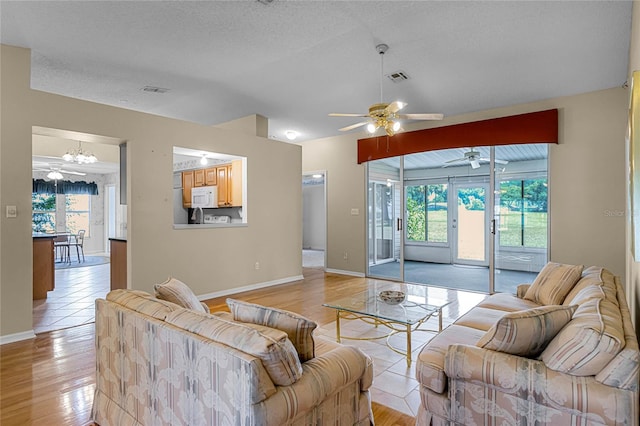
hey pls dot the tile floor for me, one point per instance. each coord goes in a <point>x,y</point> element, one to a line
<point>394,383</point>
<point>71,303</point>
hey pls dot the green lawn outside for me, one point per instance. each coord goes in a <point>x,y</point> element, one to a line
<point>535,223</point>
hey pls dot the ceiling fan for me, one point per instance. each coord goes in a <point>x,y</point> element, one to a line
<point>385,115</point>
<point>56,173</point>
<point>473,158</point>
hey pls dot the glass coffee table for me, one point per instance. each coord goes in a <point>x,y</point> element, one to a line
<point>402,308</point>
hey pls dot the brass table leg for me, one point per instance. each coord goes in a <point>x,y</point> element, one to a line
<point>440,320</point>
<point>338,325</point>
<point>408,346</point>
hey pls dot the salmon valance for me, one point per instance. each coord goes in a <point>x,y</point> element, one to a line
<point>534,127</point>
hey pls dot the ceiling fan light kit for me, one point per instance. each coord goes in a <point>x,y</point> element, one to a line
<point>79,156</point>
<point>55,175</point>
<point>385,115</point>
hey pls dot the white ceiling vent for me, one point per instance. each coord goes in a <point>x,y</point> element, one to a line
<point>154,89</point>
<point>398,76</point>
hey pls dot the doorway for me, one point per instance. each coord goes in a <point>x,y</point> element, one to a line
<point>314,220</point>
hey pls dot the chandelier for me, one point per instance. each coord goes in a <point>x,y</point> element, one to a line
<point>79,156</point>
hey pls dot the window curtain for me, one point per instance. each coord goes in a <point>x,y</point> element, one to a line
<point>41,186</point>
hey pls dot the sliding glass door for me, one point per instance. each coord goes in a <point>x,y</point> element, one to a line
<point>384,207</point>
<point>473,219</point>
<point>520,216</point>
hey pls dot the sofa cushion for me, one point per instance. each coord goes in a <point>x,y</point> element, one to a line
<point>298,328</point>
<point>430,365</point>
<point>480,318</point>
<point>177,292</point>
<point>526,333</point>
<point>596,283</point>
<point>553,283</point>
<point>507,302</point>
<point>589,342</point>
<point>271,346</point>
<point>142,302</point>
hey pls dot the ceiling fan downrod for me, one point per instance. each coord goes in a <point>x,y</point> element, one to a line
<point>381,49</point>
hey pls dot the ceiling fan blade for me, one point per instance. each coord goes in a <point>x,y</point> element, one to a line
<point>457,160</point>
<point>338,114</point>
<point>421,116</point>
<point>496,160</point>
<point>353,126</point>
<point>69,172</point>
<point>395,106</point>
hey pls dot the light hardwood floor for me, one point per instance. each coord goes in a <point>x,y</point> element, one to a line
<point>50,380</point>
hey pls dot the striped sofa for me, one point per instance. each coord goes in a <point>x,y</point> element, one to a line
<point>512,360</point>
<point>158,363</point>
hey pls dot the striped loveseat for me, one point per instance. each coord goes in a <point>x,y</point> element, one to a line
<point>158,363</point>
<point>562,351</point>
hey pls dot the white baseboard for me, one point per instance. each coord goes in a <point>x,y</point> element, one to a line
<point>16,337</point>
<point>350,273</point>
<point>249,287</point>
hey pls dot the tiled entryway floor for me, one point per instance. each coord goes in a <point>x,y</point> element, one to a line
<point>72,302</point>
<point>395,384</point>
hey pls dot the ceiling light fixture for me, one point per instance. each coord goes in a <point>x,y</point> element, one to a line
<point>55,175</point>
<point>291,134</point>
<point>204,160</point>
<point>79,156</point>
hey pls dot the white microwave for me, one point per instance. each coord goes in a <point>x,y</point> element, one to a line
<point>205,197</point>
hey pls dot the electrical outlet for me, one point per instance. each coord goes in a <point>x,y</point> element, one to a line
<point>12,211</point>
<point>346,256</point>
<point>257,265</point>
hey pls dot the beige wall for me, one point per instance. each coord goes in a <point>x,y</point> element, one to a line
<point>633,267</point>
<point>587,182</point>
<point>211,261</point>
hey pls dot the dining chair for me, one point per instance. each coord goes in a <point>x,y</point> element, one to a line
<point>61,245</point>
<point>79,244</point>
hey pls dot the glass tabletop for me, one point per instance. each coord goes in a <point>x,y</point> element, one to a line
<point>418,303</point>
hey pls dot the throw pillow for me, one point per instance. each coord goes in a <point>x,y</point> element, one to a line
<point>553,283</point>
<point>177,292</point>
<point>527,333</point>
<point>298,328</point>
<point>271,346</point>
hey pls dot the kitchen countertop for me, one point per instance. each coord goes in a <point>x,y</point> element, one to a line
<point>43,235</point>
<point>119,237</point>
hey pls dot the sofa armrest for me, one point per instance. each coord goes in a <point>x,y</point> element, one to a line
<point>530,380</point>
<point>522,290</point>
<point>323,376</point>
<point>206,307</point>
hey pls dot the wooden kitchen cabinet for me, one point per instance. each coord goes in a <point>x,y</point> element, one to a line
<point>187,184</point>
<point>210,176</point>
<point>230,184</point>
<point>43,267</point>
<point>198,177</point>
<point>118,268</point>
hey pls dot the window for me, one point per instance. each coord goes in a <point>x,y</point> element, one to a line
<point>44,212</point>
<point>427,213</point>
<point>523,213</point>
<point>78,213</point>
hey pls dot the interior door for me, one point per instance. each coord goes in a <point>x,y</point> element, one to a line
<point>470,224</point>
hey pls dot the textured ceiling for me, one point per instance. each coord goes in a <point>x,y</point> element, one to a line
<point>296,61</point>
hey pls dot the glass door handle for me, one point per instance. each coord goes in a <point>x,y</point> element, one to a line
<point>493,226</point>
<point>399,224</point>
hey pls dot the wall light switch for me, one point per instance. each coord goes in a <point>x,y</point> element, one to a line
<point>12,211</point>
<point>355,212</point>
